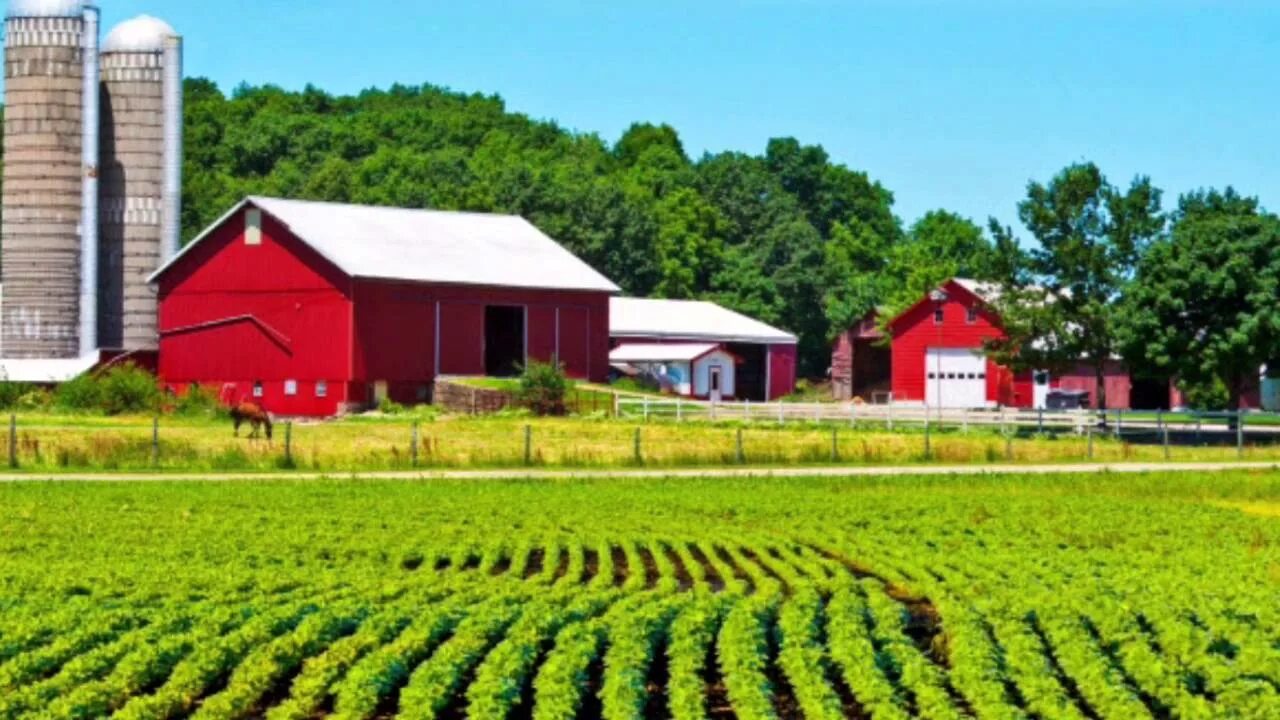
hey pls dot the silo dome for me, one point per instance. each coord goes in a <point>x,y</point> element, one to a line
<point>45,8</point>
<point>141,34</point>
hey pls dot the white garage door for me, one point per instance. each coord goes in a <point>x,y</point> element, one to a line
<point>955,378</point>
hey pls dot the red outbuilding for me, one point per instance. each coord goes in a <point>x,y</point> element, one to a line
<point>317,308</point>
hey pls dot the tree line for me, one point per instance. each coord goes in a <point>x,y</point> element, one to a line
<point>787,236</point>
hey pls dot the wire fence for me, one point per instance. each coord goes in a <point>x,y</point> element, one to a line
<point>668,435</point>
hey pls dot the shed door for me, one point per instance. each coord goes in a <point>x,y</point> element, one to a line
<point>955,378</point>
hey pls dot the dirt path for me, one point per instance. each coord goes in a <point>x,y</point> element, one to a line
<point>552,475</point>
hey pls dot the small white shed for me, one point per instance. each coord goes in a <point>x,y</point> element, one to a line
<point>700,370</point>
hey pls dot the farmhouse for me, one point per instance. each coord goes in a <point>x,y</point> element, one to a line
<point>933,356</point>
<point>700,370</point>
<point>766,356</point>
<point>315,308</point>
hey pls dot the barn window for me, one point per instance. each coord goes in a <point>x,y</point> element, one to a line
<point>291,387</point>
<point>938,316</point>
<point>973,316</point>
<point>322,389</point>
<point>258,390</point>
<point>253,227</point>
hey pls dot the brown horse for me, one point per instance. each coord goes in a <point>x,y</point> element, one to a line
<point>254,414</point>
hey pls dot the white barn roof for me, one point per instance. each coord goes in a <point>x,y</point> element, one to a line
<point>661,352</point>
<point>426,246</point>
<point>688,320</point>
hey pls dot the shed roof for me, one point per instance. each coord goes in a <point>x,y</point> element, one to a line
<point>689,320</point>
<point>425,245</point>
<point>661,352</point>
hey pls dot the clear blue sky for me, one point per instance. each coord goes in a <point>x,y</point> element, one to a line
<point>951,104</point>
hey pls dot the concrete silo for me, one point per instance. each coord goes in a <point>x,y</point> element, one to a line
<point>141,139</point>
<point>50,177</point>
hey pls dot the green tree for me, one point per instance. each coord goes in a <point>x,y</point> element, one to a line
<point>1203,305</point>
<point>939,246</point>
<point>690,244</point>
<point>1060,307</point>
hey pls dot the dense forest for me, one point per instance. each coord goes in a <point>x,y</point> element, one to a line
<point>787,236</point>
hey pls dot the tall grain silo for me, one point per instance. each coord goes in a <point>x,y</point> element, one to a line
<point>50,176</point>
<point>141,134</point>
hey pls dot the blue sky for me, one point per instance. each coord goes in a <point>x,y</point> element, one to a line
<point>949,104</point>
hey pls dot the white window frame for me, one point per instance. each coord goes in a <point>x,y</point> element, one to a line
<point>322,388</point>
<point>290,388</point>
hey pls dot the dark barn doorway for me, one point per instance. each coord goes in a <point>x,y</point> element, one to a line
<point>503,340</point>
<point>1149,393</point>
<point>752,372</point>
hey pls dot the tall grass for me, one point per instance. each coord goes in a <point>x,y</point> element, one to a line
<point>48,443</point>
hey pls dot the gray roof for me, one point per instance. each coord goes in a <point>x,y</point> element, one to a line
<point>689,320</point>
<point>428,246</point>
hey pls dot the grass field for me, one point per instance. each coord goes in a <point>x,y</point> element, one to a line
<point>72,443</point>
<point>1046,597</point>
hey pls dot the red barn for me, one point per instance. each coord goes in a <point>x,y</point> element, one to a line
<point>315,308</point>
<point>937,359</point>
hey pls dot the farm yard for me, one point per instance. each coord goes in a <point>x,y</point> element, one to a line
<point>1047,597</point>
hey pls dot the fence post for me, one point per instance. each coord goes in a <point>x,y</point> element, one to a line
<point>646,408</point>
<point>1089,432</point>
<point>1119,423</point>
<point>13,441</point>
<point>1164,431</point>
<point>1040,421</point>
<point>413,445</point>
<point>781,419</point>
<point>835,444</point>
<point>617,406</point>
<point>741,452</point>
<point>715,411</point>
<point>528,445</point>
<point>890,417</point>
<point>928,449</point>
<point>288,443</point>
<point>853,415</point>
<point>964,421</point>
<point>155,441</point>
<point>746,410</point>
<point>1008,445</point>
<point>1239,434</point>
<point>679,410</point>
<point>639,453</point>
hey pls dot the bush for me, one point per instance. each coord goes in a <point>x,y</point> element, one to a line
<point>391,407</point>
<point>83,392</point>
<point>129,389</point>
<point>1208,396</point>
<point>198,401</point>
<point>543,387</point>
<point>11,394</point>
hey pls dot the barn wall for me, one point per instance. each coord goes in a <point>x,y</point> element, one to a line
<point>397,340</point>
<point>1082,378</point>
<point>914,333</point>
<point>782,371</point>
<point>232,314</point>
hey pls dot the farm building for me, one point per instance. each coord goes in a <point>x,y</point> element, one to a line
<point>935,358</point>
<point>314,308</point>
<point>766,367</point>
<point>701,370</point>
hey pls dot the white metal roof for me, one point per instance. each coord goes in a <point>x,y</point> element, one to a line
<point>141,34</point>
<point>46,371</point>
<point>660,352</point>
<point>688,320</point>
<point>426,245</point>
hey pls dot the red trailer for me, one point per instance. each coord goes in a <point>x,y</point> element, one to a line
<point>317,308</point>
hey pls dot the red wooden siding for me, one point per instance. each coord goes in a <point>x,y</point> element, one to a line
<point>915,333</point>
<point>232,315</point>
<point>782,370</point>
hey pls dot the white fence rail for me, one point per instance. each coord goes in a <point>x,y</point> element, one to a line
<point>904,416</point>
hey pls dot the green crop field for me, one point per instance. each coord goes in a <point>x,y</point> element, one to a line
<point>1020,597</point>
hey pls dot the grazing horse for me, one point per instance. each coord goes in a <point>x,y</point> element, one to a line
<point>254,414</point>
